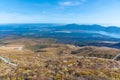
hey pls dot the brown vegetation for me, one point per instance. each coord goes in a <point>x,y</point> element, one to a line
<point>59,62</point>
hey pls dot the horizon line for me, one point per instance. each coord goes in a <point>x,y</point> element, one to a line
<point>106,25</point>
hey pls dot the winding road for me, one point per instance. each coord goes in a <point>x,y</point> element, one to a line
<point>115,58</point>
<point>7,61</point>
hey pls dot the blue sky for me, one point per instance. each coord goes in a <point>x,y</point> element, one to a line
<point>106,12</point>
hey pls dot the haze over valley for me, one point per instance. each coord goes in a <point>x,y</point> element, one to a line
<point>59,40</point>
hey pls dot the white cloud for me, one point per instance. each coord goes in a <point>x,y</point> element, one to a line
<point>71,3</point>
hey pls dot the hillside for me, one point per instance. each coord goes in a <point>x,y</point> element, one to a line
<point>58,62</point>
<point>100,52</point>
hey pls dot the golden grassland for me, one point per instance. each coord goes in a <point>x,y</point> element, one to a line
<point>56,62</point>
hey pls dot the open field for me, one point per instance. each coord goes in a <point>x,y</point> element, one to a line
<point>58,62</point>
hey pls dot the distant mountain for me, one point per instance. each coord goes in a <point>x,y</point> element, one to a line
<point>70,33</point>
<point>111,31</point>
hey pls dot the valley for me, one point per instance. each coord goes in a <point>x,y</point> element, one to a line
<point>58,52</point>
<point>59,39</point>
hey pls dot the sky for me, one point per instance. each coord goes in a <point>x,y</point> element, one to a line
<point>105,12</point>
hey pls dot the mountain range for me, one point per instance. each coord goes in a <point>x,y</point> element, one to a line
<point>64,33</point>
